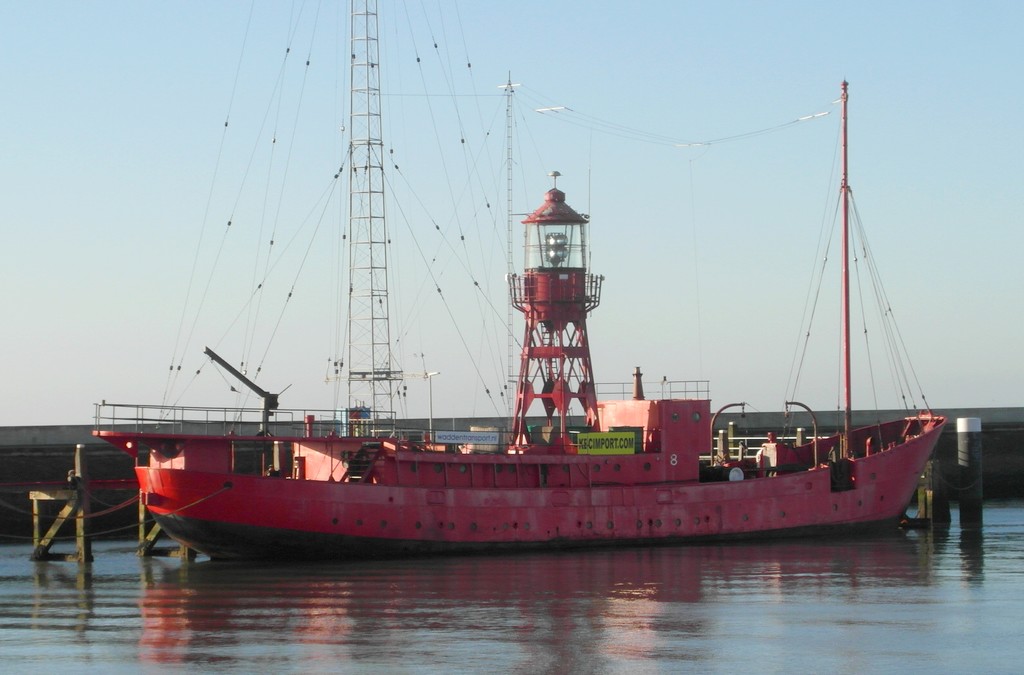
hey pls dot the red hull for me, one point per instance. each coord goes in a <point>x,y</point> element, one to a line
<point>429,502</point>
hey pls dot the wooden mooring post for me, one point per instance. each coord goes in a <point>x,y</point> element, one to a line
<point>76,496</point>
<point>76,508</point>
<point>932,497</point>
<point>149,534</point>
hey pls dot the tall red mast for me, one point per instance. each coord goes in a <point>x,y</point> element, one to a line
<point>555,294</point>
<point>846,278</point>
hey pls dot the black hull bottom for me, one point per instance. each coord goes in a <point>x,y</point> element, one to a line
<point>227,541</point>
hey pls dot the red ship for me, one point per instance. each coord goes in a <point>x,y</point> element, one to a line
<point>627,472</point>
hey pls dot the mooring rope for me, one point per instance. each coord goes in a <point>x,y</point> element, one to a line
<point>69,537</point>
<point>225,488</point>
<point>104,512</point>
<point>14,508</point>
<point>958,488</point>
<point>111,509</point>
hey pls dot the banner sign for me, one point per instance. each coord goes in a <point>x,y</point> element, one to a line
<point>607,443</point>
<point>460,437</point>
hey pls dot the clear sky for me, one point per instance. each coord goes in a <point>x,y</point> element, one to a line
<point>118,177</point>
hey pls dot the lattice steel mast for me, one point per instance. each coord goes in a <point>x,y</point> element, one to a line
<point>372,375</point>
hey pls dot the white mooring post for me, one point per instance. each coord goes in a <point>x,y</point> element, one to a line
<point>968,442</point>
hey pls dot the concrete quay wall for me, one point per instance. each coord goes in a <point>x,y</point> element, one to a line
<point>41,453</point>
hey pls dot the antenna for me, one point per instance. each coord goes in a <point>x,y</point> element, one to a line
<point>509,88</point>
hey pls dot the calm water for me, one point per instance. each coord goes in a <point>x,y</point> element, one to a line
<point>920,602</point>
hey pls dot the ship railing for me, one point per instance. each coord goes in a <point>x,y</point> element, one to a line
<point>134,418</point>
<point>663,389</point>
<point>739,447</point>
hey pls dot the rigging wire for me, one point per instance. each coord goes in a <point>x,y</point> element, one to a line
<point>295,279</point>
<point>573,117</point>
<point>436,278</point>
<point>826,232</point>
<point>281,194</point>
<point>339,331</point>
<point>252,305</point>
<point>260,284</point>
<point>855,231</point>
<point>274,220</point>
<point>176,355</point>
<point>696,270</point>
<point>460,198</point>
<point>901,371</point>
<point>903,374</point>
<point>238,197</point>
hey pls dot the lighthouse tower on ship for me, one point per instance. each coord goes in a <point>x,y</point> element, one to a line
<point>555,293</point>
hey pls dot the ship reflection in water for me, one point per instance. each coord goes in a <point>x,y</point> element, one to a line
<point>571,612</point>
<point>944,602</point>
